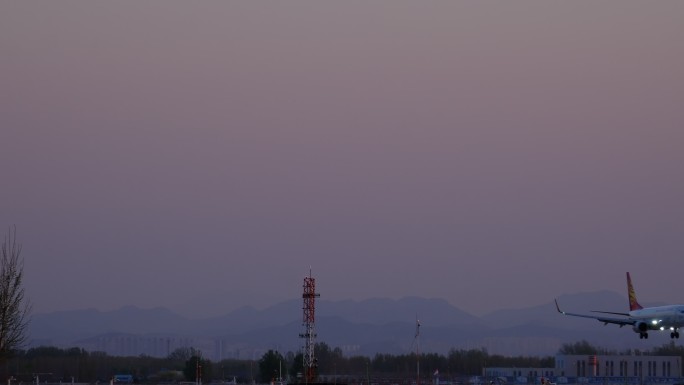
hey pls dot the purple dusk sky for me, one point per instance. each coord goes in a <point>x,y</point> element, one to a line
<point>202,155</point>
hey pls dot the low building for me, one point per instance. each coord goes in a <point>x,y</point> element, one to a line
<point>596,369</point>
<point>517,375</point>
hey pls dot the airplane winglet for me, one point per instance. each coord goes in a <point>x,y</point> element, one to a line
<point>558,307</point>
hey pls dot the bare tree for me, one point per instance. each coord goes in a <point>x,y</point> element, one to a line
<point>14,307</point>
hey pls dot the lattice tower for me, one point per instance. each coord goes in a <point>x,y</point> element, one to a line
<point>309,322</point>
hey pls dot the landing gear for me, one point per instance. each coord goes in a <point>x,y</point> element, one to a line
<point>643,336</point>
<point>674,334</point>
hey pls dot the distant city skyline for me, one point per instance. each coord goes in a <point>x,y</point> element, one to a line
<point>201,157</point>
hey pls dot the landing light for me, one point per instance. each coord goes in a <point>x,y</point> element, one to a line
<point>655,322</point>
<point>662,328</point>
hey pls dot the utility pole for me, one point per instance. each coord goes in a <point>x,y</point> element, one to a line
<point>198,371</point>
<point>417,342</point>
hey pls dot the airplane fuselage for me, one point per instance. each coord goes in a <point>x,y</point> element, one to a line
<point>658,318</point>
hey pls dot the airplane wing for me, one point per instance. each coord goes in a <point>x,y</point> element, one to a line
<point>610,312</point>
<point>605,320</point>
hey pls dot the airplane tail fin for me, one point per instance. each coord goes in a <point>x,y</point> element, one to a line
<point>633,304</point>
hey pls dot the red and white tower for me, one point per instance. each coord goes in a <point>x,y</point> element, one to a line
<point>309,322</point>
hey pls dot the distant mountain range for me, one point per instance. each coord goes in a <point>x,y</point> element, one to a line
<point>358,327</point>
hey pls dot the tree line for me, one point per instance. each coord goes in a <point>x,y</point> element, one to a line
<point>75,364</point>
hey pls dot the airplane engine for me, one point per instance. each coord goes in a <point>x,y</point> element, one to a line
<point>640,327</point>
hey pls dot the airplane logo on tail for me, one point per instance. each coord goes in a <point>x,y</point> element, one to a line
<point>633,304</point>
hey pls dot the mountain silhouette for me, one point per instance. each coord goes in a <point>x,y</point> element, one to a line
<point>367,327</point>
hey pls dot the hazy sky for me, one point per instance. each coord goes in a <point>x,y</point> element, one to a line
<point>202,155</point>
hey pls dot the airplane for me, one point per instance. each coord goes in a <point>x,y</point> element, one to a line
<point>641,319</point>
